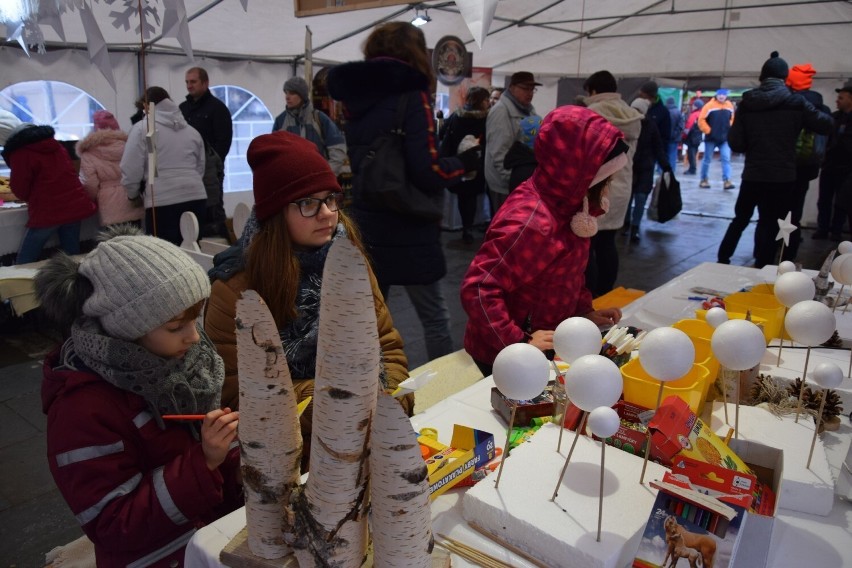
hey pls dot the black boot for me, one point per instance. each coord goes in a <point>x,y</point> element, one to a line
<point>634,235</point>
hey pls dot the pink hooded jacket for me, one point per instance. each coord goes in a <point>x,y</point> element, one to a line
<point>100,154</point>
<point>531,266</point>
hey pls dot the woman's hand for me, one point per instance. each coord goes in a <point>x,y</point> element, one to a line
<point>218,430</point>
<point>605,317</point>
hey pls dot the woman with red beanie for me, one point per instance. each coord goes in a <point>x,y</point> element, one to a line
<point>298,213</point>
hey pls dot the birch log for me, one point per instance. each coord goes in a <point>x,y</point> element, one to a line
<point>270,437</point>
<point>399,491</point>
<point>334,524</point>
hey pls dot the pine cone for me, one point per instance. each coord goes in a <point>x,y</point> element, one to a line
<point>834,340</point>
<point>833,403</point>
<point>795,387</point>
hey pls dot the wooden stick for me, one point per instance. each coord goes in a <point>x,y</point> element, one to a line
<point>802,390</point>
<point>510,547</point>
<point>816,429</point>
<point>839,294</point>
<point>781,254</point>
<point>648,444</point>
<point>781,339</point>
<point>506,447</point>
<point>725,390</point>
<point>849,374</point>
<point>472,554</point>
<point>601,490</point>
<point>571,451</point>
<point>737,411</point>
<point>563,403</point>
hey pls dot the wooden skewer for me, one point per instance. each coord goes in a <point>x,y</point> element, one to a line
<point>564,404</point>
<point>839,295</point>
<point>580,428</point>
<point>470,553</point>
<point>816,427</point>
<point>648,443</point>
<point>510,547</point>
<point>781,339</point>
<point>506,449</point>
<point>802,390</point>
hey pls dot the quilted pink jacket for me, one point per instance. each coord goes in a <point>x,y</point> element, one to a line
<point>100,154</point>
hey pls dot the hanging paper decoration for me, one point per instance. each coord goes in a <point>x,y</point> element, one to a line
<point>176,25</point>
<point>245,5</point>
<point>49,15</point>
<point>478,15</point>
<point>96,45</point>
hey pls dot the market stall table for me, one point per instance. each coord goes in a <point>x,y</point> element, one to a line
<point>13,221</point>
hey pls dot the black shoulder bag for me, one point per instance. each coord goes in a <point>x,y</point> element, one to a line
<point>384,178</point>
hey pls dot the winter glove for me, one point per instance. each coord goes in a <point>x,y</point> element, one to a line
<point>471,158</point>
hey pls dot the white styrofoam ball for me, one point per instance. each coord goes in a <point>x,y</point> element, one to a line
<point>827,375</point>
<point>592,381</point>
<point>837,268</point>
<point>603,421</point>
<point>786,266</point>
<point>666,353</point>
<point>810,323</point>
<point>794,287</point>
<point>738,344</point>
<point>716,316</point>
<point>846,271</point>
<point>844,247</point>
<point>576,337</point>
<point>521,371</point>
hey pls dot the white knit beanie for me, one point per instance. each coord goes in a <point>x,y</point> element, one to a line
<point>8,123</point>
<point>140,283</point>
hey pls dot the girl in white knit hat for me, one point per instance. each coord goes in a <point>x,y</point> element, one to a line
<point>139,484</point>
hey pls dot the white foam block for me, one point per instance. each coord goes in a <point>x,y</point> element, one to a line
<point>802,489</point>
<point>563,532</point>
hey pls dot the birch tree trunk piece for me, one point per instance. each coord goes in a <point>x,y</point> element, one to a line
<point>270,437</point>
<point>399,491</point>
<point>345,389</point>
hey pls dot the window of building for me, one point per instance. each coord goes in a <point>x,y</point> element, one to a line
<point>250,118</point>
<point>64,107</point>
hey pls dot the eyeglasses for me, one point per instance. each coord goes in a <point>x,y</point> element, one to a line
<point>310,206</point>
<point>528,88</point>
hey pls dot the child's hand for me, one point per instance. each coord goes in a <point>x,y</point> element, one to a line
<point>218,430</point>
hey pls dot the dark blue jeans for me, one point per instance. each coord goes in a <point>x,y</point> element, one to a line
<point>35,239</point>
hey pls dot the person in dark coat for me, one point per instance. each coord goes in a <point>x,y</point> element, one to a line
<point>800,80</point>
<point>405,250</point>
<point>649,151</point>
<point>469,120</point>
<point>43,176</point>
<point>657,111</point>
<point>835,181</point>
<point>765,129</point>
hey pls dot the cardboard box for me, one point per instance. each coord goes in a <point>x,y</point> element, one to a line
<point>542,405</point>
<point>469,449</point>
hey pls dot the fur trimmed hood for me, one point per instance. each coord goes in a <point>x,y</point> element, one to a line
<point>361,84</point>
<point>102,138</point>
<point>26,136</point>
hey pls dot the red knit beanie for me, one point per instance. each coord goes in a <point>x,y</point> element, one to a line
<point>104,120</point>
<point>801,77</point>
<point>286,167</point>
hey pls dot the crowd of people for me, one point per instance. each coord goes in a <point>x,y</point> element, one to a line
<point>147,335</point>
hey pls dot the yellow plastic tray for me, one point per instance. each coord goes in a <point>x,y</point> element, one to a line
<point>761,305</point>
<point>640,388</point>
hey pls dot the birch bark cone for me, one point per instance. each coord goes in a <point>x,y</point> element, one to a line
<point>334,530</point>
<point>399,491</point>
<point>270,437</point>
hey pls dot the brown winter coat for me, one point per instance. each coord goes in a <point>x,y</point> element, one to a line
<point>219,325</point>
<point>100,155</point>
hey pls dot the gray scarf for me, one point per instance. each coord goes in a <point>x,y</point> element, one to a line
<point>189,385</point>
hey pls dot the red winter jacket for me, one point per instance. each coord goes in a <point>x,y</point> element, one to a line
<point>138,492</point>
<point>531,265</point>
<point>44,177</point>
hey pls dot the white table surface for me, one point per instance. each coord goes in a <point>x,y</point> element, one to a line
<point>13,223</point>
<point>798,540</point>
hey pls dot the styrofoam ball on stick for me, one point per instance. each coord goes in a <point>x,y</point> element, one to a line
<point>603,421</point>
<point>810,323</point>
<point>786,266</point>
<point>592,381</point>
<point>521,371</point>
<point>844,247</point>
<point>794,287</point>
<point>666,353</point>
<point>738,344</point>
<point>576,337</point>
<point>837,270</point>
<point>716,317</point>
<point>827,375</point>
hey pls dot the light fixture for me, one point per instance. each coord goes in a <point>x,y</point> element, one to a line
<point>421,19</point>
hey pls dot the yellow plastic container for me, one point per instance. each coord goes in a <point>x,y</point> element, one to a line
<point>700,332</point>
<point>640,388</point>
<point>757,320</point>
<point>765,306</point>
<point>763,288</point>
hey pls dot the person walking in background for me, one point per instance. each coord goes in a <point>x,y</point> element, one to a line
<point>43,176</point>
<point>496,93</point>
<point>529,274</point>
<point>467,121</point>
<point>715,122</point>
<point>767,125</point>
<point>178,186</point>
<point>692,136</point>
<point>212,119</point>
<point>301,118</point>
<point>657,111</point>
<point>501,131</point>
<point>810,152</point>
<point>677,128</point>
<point>649,151</point>
<point>603,98</point>
<point>520,159</point>
<point>835,181</point>
<point>100,171</point>
<point>405,249</point>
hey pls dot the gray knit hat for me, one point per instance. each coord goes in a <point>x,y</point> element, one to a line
<point>299,86</point>
<point>140,283</point>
